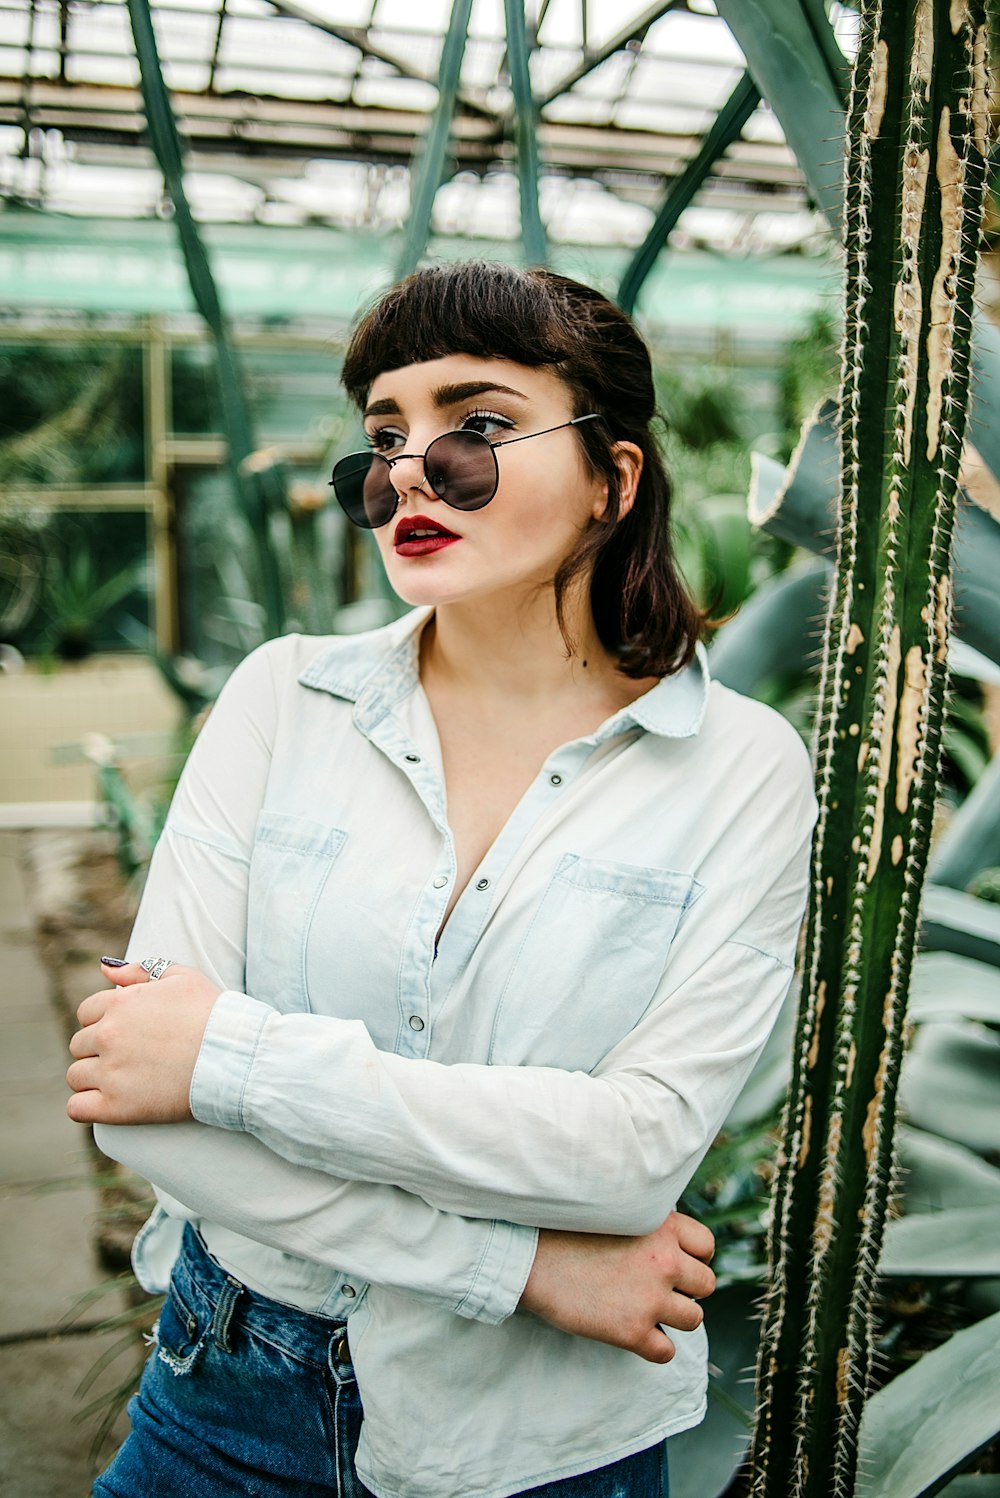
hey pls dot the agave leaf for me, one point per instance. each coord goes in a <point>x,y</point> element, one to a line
<point>929,1423</point>
<point>978,1486</point>
<point>965,1242</point>
<point>804,87</point>
<point>704,1459</point>
<point>789,503</point>
<point>778,630</point>
<point>950,1084</point>
<point>966,661</point>
<point>972,839</point>
<point>959,923</point>
<point>799,503</point>
<point>945,986</point>
<point>938,1175</point>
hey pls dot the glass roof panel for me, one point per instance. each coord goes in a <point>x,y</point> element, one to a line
<point>403,15</point>
<point>310,110</point>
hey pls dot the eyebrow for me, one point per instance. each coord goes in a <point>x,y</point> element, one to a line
<point>447,395</point>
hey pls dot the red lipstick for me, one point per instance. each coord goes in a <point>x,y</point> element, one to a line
<point>419,536</point>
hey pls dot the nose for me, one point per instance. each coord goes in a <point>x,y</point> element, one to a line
<point>407,472</point>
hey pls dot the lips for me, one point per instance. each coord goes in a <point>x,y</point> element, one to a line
<point>419,536</point>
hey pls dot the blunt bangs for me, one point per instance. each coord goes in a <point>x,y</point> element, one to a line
<point>490,311</point>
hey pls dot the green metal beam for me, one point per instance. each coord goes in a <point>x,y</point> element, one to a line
<point>358,36</point>
<point>427,175</point>
<point>259,487</point>
<point>533,237</point>
<point>727,126</point>
<point>634,32</point>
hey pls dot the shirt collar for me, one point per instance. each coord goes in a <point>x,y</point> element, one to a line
<point>378,669</point>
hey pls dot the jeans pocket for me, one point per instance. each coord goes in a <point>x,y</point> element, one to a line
<point>180,1334</point>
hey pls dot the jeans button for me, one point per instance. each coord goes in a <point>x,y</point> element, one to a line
<point>343,1351</point>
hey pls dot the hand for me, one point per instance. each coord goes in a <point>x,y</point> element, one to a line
<point>618,1290</point>
<point>138,1046</point>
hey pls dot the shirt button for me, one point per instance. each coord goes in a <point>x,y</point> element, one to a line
<point>349,1291</point>
<point>416,1023</point>
<point>482,884</point>
<point>555,780</point>
<point>441,881</point>
<point>413,759</point>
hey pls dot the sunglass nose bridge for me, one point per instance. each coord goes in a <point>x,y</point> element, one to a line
<point>405,480</point>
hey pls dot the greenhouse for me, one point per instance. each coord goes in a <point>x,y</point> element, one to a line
<point>797,203</point>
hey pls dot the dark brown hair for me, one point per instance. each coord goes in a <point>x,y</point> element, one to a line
<point>642,610</point>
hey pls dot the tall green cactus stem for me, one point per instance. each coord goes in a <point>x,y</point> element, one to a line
<point>917,139</point>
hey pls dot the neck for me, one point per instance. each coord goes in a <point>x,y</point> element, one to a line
<point>489,649</point>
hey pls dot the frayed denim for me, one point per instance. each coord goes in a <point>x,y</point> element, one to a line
<point>243,1397</point>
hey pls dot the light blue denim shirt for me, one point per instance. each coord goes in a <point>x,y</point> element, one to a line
<point>383,1124</point>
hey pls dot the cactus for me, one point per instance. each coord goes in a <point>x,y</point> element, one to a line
<point>917,140</point>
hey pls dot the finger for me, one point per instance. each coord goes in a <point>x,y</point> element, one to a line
<point>693,1236</point>
<point>94,1006</point>
<point>656,1346</point>
<point>87,1107</point>
<point>681,1312</point>
<point>84,1043</point>
<point>132,972</point>
<point>83,1076</point>
<point>694,1278</point>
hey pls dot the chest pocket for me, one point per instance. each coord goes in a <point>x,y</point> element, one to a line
<point>590,963</point>
<point>291,862</point>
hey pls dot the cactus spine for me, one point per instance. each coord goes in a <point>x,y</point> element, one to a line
<point>917,139</point>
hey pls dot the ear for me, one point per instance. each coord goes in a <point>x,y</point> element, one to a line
<point>628,461</point>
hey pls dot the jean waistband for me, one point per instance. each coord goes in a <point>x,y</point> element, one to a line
<point>204,1286</point>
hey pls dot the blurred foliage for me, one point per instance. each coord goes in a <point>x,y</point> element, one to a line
<point>70,414</point>
<point>70,582</point>
<point>809,374</point>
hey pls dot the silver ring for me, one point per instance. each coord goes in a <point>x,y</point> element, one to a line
<point>155,966</point>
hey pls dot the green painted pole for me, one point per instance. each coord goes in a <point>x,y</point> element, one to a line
<point>429,170</point>
<point>259,486</point>
<point>536,249</point>
<point>728,123</point>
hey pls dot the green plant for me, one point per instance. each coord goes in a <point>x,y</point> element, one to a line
<point>916,147</point>
<point>75,601</point>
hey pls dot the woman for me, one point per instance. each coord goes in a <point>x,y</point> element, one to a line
<point>479,923</point>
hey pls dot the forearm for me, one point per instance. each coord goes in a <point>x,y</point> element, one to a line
<point>380,1233</point>
<point>604,1153</point>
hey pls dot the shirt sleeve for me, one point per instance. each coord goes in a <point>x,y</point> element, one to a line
<point>609,1151</point>
<point>193,909</point>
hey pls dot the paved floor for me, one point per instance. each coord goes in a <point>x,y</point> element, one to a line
<point>47,1210</point>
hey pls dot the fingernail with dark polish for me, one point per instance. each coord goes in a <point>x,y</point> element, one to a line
<point>114,962</point>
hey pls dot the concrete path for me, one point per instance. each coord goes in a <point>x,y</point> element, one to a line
<point>47,1211</point>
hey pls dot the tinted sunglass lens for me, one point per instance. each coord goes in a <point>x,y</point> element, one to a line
<point>364,489</point>
<point>461,468</point>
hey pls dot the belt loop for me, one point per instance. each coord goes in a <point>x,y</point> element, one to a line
<point>231,1292</point>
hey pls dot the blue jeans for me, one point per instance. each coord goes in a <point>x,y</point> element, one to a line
<point>247,1398</point>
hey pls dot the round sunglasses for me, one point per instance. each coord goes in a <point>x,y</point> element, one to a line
<point>461,467</point>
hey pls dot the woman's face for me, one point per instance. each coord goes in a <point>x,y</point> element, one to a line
<point>544,499</point>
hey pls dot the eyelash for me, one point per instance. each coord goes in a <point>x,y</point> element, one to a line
<point>378,440</point>
<point>481,415</point>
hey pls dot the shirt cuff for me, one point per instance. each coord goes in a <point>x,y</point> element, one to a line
<point>225,1060</point>
<point>501,1274</point>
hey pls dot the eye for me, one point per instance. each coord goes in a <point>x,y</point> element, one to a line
<point>488,423</point>
<point>385,439</point>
